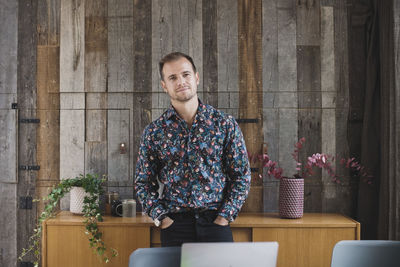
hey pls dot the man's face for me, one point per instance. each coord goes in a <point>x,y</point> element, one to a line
<point>180,82</point>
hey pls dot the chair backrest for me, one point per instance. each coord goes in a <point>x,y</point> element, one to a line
<point>366,253</point>
<point>238,254</point>
<point>156,257</point>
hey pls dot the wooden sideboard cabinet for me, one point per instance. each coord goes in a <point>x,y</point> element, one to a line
<point>304,242</point>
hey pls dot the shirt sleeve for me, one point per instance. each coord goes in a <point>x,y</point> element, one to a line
<point>237,168</point>
<point>146,184</point>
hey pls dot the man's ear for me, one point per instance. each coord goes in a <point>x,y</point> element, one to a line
<point>163,85</point>
<point>197,78</point>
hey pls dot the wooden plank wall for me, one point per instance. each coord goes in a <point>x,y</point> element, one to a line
<point>90,75</point>
<point>27,109</point>
<point>8,131</point>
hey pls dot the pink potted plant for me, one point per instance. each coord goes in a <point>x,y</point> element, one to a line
<point>291,189</point>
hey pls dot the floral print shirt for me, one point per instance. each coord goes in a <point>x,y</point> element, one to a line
<point>204,167</point>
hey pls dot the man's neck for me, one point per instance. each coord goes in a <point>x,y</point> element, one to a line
<point>187,110</point>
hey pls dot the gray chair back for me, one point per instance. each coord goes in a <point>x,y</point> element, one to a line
<point>156,257</point>
<point>366,253</point>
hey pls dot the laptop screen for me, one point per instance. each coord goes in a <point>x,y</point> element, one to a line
<point>239,254</point>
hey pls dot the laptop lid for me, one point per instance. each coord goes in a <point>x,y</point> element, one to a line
<point>239,254</point>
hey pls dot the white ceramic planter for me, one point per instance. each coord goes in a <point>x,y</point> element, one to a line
<point>76,200</point>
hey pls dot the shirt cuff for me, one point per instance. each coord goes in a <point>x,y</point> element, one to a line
<point>228,212</point>
<point>157,210</point>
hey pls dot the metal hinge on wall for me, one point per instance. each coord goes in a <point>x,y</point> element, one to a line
<point>29,120</point>
<point>25,203</point>
<point>247,120</point>
<point>29,167</point>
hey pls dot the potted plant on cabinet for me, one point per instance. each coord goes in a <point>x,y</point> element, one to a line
<point>92,186</point>
<point>291,189</point>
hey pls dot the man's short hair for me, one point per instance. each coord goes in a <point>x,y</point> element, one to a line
<point>172,57</point>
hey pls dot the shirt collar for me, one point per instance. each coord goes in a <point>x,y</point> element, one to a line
<point>201,110</point>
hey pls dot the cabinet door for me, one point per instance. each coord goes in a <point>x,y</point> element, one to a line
<point>306,247</point>
<point>68,245</point>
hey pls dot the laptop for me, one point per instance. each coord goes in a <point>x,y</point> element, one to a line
<point>239,254</point>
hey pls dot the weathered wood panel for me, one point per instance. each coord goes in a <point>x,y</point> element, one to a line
<point>287,49</point>
<point>72,100</point>
<point>308,69</point>
<point>231,24</point>
<point>72,139</point>
<point>26,73</point>
<point>96,45</point>
<point>195,46</point>
<point>327,50</point>
<point>288,136</point>
<point>96,125</point>
<point>250,87</point>
<point>72,46</point>
<point>308,22</point>
<point>47,77</point>
<point>270,45</point>
<point>118,133</point>
<point>120,49</point>
<point>161,28</point>
<point>120,101</point>
<point>180,29</point>
<point>341,80</point>
<point>8,147</point>
<point>328,120</point>
<point>8,46</point>
<point>141,116</point>
<point>48,144</point>
<point>120,8</point>
<point>96,101</point>
<point>142,102</point>
<point>48,22</point>
<point>210,52</point>
<point>96,158</point>
<point>8,233</point>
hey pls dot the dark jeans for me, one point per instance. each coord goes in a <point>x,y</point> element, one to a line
<point>194,227</point>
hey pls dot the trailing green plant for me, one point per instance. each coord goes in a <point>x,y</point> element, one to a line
<point>92,184</point>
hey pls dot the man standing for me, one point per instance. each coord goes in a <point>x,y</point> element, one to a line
<point>198,155</point>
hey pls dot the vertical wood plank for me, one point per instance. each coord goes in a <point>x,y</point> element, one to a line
<point>270,112</point>
<point>142,102</point>
<point>27,95</point>
<point>72,46</point>
<point>180,29</point>
<point>328,120</point>
<point>341,79</point>
<point>287,50</point>
<point>288,136</point>
<point>8,147</point>
<point>195,49</point>
<point>327,50</point>
<point>8,46</point>
<point>308,22</point>
<point>96,157</point>
<point>120,47</point>
<point>8,225</point>
<point>72,138</point>
<point>161,45</point>
<point>48,22</point>
<point>118,132</point>
<point>250,86</point>
<point>96,45</point>
<point>47,77</point>
<point>48,145</point>
<point>96,125</point>
<point>210,52</point>
<point>270,45</point>
<point>229,26</point>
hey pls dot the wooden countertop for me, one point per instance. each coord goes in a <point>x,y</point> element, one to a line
<point>243,220</point>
